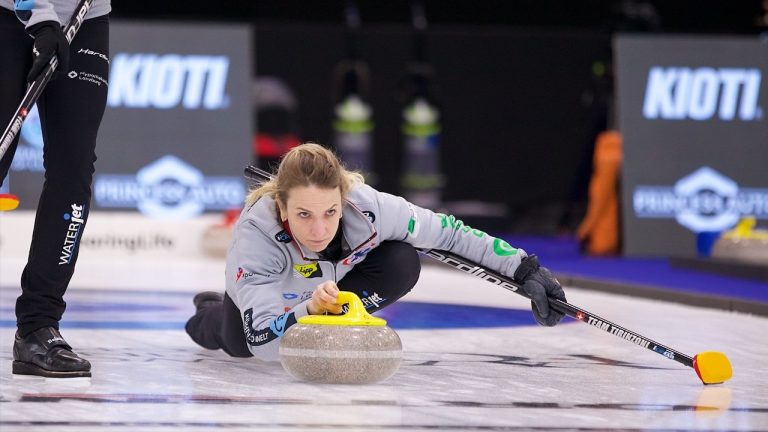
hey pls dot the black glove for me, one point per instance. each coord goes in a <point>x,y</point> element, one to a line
<point>49,41</point>
<point>538,283</point>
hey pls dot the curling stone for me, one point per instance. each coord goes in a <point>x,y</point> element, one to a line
<point>353,348</point>
<point>743,243</point>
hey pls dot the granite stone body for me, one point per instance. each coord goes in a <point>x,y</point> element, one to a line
<point>340,354</point>
<point>748,250</point>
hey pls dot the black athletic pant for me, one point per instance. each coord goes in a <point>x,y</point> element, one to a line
<point>71,108</point>
<point>390,270</point>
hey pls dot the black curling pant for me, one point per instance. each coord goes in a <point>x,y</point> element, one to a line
<point>390,270</point>
<point>71,108</point>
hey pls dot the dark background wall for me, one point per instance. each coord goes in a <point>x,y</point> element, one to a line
<point>519,108</point>
<point>523,86</point>
<point>743,16</point>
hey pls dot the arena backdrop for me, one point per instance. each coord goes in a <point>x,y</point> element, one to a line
<point>519,107</point>
<point>692,113</point>
<point>172,147</point>
<point>177,128</point>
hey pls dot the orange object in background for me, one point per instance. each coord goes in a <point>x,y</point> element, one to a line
<point>599,231</point>
<point>8,202</point>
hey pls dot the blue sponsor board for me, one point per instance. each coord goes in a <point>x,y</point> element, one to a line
<point>177,128</point>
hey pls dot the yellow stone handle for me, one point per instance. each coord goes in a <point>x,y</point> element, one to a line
<point>356,314</point>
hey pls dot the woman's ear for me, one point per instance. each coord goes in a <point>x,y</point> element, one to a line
<point>281,209</point>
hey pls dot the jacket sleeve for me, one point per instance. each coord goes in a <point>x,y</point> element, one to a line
<point>255,271</point>
<point>31,12</point>
<point>426,229</point>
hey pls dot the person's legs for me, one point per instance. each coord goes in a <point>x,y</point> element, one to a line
<point>71,108</point>
<point>387,273</point>
<point>218,324</point>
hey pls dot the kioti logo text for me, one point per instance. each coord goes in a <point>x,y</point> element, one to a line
<point>681,93</point>
<point>168,81</point>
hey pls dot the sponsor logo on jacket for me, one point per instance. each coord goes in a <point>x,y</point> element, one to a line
<point>242,274</point>
<point>311,270</point>
<point>371,301</point>
<point>359,255</point>
<point>276,328</point>
<point>283,237</point>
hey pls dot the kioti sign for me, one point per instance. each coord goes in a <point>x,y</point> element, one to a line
<point>692,115</point>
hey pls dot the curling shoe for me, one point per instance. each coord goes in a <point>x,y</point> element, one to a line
<point>207,298</point>
<point>45,353</point>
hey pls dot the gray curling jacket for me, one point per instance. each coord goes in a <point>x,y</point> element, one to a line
<point>270,277</point>
<point>53,10</point>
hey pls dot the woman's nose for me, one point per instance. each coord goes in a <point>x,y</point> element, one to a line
<point>317,228</point>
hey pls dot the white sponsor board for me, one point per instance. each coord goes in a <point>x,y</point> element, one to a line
<point>115,245</point>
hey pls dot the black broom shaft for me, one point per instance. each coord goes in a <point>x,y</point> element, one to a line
<point>572,311</point>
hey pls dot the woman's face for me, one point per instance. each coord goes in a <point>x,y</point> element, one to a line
<point>313,214</point>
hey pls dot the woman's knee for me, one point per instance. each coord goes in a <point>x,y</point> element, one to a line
<point>401,262</point>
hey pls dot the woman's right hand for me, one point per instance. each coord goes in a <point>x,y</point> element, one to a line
<point>324,299</point>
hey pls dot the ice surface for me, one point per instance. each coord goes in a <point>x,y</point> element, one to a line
<point>148,375</point>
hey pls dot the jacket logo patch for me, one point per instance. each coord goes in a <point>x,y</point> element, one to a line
<point>357,256</point>
<point>242,274</point>
<point>276,328</point>
<point>371,217</point>
<point>413,222</point>
<point>283,237</point>
<point>311,270</point>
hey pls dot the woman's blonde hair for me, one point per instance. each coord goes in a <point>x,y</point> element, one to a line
<point>308,164</point>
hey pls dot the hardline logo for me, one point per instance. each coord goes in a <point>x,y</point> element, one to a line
<point>168,81</point>
<point>90,52</point>
<point>682,93</point>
